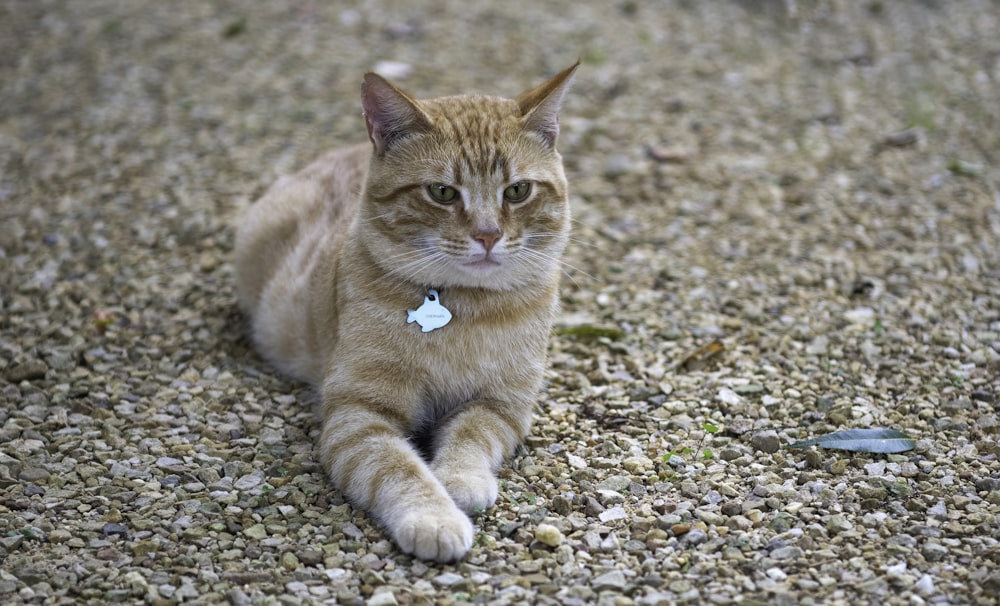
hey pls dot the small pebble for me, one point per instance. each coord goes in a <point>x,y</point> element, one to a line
<point>249,481</point>
<point>549,535</point>
<point>256,531</point>
<point>383,598</point>
<point>776,574</point>
<point>448,579</point>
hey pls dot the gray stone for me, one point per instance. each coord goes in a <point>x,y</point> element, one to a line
<point>33,474</point>
<point>788,552</point>
<point>933,552</point>
<point>249,481</point>
<point>31,370</point>
<point>766,441</point>
<point>447,579</point>
<point>609,581</point>
<point>615,483</point>
<point>695,536</point>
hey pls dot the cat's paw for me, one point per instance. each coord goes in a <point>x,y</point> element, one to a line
<point>472,492</point>
<point>441,534</point>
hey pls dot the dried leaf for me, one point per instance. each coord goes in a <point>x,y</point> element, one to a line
<point>878,440</point>
<point>586,331</point>
<point>699,358</point>
<point>235,28</point>
<point>668,155</point>
<point>903,138</point>
<point>103,319</point>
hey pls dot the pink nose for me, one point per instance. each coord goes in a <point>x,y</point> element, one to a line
<point>487,237</point>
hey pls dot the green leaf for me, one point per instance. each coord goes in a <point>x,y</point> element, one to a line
<point>879,440</point>
<point>710,428</point>
<point>235,28</point>
<point>965,169</point>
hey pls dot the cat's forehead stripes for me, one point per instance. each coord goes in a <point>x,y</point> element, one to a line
<point>481,130</point>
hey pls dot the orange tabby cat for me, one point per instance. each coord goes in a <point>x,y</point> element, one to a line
<point>414,281</point>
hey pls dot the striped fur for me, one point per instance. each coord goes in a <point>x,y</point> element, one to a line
<point>415,425</point>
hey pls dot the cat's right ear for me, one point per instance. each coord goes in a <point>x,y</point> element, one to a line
<point>390,113</point>
<point>540,105</point>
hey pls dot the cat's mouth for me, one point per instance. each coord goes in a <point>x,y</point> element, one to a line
<point>484,263</point>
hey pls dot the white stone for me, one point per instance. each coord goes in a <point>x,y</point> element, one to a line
<point>615,513</point>
<point>384,598</point>
<point>876,469</point>
<point>728,396</point>
<point>337,574</point>
<point>251,480</point>
<point>925,586</point>
<point>576,462</point>
<point>818,346</point>
<point>776,574</point>
<point>447,579</point>
<point>860,315</point>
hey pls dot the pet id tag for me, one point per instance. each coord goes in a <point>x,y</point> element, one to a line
<point>431,314</point>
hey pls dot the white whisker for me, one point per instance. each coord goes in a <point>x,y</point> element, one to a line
<point>421,263</point>
<point>540,256</point>
<point>410,254</point>
<point>554,234</point>
<point>385,215</point>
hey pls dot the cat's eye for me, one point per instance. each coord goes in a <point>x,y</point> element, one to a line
<point>517,192</point>
<point>442,194</point>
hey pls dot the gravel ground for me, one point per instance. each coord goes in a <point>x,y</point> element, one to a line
<point>787,224</point>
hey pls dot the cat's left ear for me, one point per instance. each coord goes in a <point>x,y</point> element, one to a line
<point>540,105</point>
<point>390,113</point>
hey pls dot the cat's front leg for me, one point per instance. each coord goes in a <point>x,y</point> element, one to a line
<point>472,445</point>
<point>370,460</point>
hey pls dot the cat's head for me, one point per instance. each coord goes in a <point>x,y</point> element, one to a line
<point>466,190</point>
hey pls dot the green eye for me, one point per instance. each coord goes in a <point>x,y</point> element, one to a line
<point>442,194</point>
<point>517,192</point>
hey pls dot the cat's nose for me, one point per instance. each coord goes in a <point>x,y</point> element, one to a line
<point>488,237</point>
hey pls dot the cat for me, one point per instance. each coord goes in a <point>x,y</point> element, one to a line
<point>457,203</point>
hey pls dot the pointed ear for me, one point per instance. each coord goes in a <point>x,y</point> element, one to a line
<point>540,105</point>
<point>390,113</point>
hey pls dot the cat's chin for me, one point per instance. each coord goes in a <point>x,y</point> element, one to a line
<point>489,275</point>
<point>485,273</point>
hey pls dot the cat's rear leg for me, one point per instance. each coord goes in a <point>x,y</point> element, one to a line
<point>472,445</point>
<point>371,461</point>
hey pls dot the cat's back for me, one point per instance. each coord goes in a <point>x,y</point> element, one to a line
<point>298,216</point>
<point>287,245</point>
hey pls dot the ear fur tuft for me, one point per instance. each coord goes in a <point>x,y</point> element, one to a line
<point>390,113</point>
<point>540,105</point>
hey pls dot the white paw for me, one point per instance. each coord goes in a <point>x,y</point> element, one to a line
<point>472,492</point>
<point>443,534</point>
